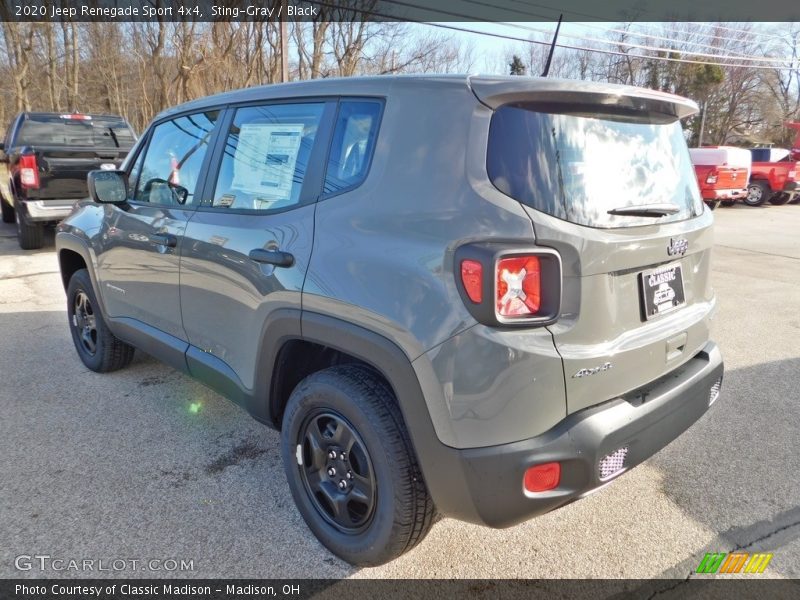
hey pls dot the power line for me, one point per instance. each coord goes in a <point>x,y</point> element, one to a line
<point>595,40</point>
<point>653,48</point>
<point>639,34</point>
<point>531,41</point>
<point>611,52</point>
<point>559,9</point>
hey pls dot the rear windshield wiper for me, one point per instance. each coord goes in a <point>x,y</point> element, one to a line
<point>646,210</point>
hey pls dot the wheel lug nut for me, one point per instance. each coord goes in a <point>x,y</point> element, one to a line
<point>342,484</point>
<point>343,456</point>
<point>332,454</point>
<point>349,475</point>
<point>331,471</point>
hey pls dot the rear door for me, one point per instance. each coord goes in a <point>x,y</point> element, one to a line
<point>68,146</point>
<point>246,250</point>
<point>140,243</point>
<point>614,191</point>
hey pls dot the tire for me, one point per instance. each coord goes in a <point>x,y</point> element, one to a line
<point>728,203</point>
<point>795,199</point>
<point>7,210</point>
<point>29,235</point>
<point>386,509</point>
<point>712,204</point>
<point>97,347</point>
<point>779,199</point>
<point>757,193</point>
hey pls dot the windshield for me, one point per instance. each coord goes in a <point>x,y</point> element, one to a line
<point>578,166</point>
<point>55,130</point>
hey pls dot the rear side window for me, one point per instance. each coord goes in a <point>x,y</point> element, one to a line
<point>69,130</point>
<point>353,144</point>
<point>173,159</point>
<point>266,156</point>
<point>578,166</point>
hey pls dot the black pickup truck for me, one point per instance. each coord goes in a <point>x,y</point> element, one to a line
<point>47,157</point>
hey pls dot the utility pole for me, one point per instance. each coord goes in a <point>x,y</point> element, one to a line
<point>702,124</point>
<point>284,44</point>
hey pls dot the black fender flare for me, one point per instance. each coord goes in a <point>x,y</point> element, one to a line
<point>441,465</point>
<point>69,241</point>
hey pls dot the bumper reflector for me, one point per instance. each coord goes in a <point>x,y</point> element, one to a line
<point>713,394</point>
<point>541,478</point>
<point>613,463</point>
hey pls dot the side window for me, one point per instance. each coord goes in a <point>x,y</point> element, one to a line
<point>266,156</point>
<point>170,169</point>
<point>353,144</point>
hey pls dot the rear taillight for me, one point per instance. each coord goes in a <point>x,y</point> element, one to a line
<point>472,278</point>
<point>712,177</point>
<point>28,172</point>
<point>518,286</point>
<point>508,284</point>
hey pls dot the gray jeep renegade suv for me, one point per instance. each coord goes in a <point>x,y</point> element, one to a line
<point>470,296</point>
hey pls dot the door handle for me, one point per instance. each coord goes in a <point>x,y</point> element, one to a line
<point>272,257</point>
<point>164,239</point>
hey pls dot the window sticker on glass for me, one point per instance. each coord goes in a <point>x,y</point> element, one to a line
<point>265,160</point>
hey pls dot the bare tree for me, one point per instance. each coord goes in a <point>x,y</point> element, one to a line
<point>18,39</point>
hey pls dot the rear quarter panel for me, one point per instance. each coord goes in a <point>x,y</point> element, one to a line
<point>383,259</point>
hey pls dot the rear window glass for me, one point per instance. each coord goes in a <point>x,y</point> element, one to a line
<point>577,165</point>
<point>55,130</point>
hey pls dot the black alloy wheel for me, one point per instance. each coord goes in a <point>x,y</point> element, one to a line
<point>97,347</point>
<point>351,466</point>
<point>337,471</point>
<point>84,321</point>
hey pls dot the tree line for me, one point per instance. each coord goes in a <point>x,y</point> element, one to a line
<point>139,69</point>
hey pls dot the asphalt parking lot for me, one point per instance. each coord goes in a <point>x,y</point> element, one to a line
<point>119,467</point>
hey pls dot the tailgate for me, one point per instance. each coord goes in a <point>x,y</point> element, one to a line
<point>608,345</point>
<point>731,178</point>
<point>63,170</point>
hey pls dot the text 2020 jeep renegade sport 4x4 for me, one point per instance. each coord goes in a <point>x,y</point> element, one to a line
<point>482,297</point>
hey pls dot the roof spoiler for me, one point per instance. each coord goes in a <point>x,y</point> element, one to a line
<point>496,91</point>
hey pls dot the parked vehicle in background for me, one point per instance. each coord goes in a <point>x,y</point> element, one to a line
<point>722,173</point>
<point>430,285</point>
<point>47,157</point>
<point>774,180</point>
<point>795,151</point>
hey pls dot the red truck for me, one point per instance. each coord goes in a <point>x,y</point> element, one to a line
<point>722,173</point>
<point>775,180</point>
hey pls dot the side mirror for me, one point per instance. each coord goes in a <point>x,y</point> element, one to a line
<point>108,187</point>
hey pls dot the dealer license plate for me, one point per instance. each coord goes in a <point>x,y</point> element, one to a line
<point>662,290</point>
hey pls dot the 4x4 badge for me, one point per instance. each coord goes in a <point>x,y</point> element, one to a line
<point>677,246</point>
<point>593,371</point>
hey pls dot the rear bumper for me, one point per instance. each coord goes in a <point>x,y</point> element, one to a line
<point>643,422</point>
<point>48,210</point>
<point>791,187</point>
<point>724,194</point>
